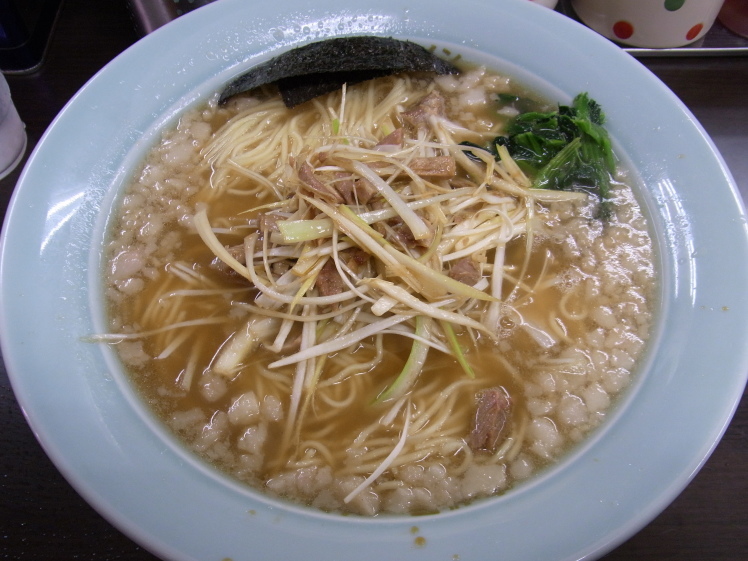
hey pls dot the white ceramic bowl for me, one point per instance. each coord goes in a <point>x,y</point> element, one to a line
<point>649,23</point>
<point>106,442</point>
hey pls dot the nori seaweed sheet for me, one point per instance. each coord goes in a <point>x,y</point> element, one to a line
<point>309,71</point>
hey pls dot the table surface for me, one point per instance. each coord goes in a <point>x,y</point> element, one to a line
<point>42,517</point>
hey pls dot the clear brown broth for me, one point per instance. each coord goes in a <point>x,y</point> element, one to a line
<point>511,365</point>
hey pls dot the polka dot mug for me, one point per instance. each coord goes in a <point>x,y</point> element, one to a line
<point>649,23</point>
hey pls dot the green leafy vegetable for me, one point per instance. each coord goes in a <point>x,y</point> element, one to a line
<point>568,149</point>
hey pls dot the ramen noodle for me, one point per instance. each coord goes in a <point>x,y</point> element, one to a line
<point>339,305</point>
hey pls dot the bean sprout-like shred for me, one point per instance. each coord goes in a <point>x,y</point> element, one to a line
<point>381,468</point>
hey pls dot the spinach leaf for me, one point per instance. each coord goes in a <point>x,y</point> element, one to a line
<point>568,149</point>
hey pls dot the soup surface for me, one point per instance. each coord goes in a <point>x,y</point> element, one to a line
<point>342,306</point>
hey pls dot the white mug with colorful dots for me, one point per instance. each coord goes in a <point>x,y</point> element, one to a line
<point>649,23</point>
